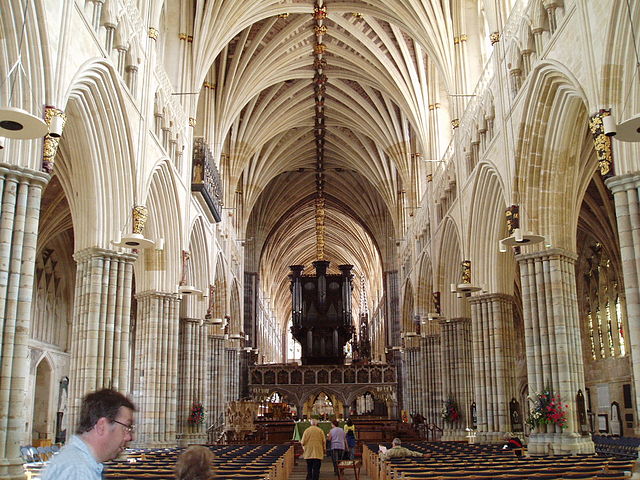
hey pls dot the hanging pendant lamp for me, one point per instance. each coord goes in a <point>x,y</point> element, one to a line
<point>20,124</point>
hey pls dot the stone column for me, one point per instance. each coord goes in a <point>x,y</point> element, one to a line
<point>251,284</point>
<point>193,385</point>
<point>392,307</point>
<point>217,375</point>
<point>410,379</point>
<point>626,196</point>
<point>100,342</point>
<point>553,346</point>
<point>232,374</point>
<point>418,378</point>
<point>432,391</point>
<point>20,196</point>
<point>457,373</point>
<point>493,364</point>
<point>155,381</point>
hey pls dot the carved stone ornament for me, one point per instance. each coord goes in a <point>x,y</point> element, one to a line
<point>436,302</point>
<point>320,48</point>
<point>466,271</point>
<point>512,215</point>
<point>140,215</point>
<point>320,13</point>
<point>50,144</point>
<point>602,144</point>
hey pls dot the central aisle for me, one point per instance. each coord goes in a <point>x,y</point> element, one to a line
<point>326,471</point>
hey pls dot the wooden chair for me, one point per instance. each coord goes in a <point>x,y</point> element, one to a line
<point>346,464</point>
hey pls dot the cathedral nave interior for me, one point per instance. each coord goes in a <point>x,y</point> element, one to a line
<point>373,208</point>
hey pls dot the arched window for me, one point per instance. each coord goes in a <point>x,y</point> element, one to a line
<point>294,349</point>
<point>603,306</point>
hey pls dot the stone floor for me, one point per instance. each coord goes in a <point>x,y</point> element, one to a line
<point>326,471</point>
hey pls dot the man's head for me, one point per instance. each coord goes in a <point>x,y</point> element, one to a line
<point>336,423</point>
<point>396,442</point>
<point>106,423</point>
<point>313,421</point>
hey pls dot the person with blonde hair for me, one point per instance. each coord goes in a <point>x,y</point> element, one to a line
<point>315,447</point>
<point>195,464</point>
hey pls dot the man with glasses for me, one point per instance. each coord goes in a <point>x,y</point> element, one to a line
<point>104,430</point>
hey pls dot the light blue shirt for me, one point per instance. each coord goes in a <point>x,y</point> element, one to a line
<point>338,438</point>
<point>74,462</point>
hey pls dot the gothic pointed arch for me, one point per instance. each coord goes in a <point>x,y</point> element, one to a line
<point>424,292</point>
<point>235,310</point>
<point>93,104</point>
<point>196,272</point>
<point>220,303</point>
<point>161,270</point>
<point>449,270</point>
<point>488,224</point>
<point>408,309</point>
<point>550,201</point>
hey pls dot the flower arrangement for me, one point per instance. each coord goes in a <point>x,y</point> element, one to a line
<point>450,412</point>
<point>548,409</point>
<point>196,416</point>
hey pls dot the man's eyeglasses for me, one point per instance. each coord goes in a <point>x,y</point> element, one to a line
<point>127,428</point>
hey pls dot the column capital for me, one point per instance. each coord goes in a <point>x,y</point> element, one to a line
<point>39,178</point>
<point>156,294</point>
<point>445,321</point>
<point>490,297</point>
<point>191,320</point>
<point>620,183</point>
<point>86,253</point>
<point>548,253</point>
<point>430,336</point>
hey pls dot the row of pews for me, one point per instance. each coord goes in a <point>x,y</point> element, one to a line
<point>453,460</point>
<point>243,462</point>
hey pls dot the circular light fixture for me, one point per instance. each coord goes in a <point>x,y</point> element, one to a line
<point>189,290</point>
<point>629,130</point>
<point>135,240</point>
<point>467,288</point>
<point>519,239</point>
<point>528,239</point>
<point>20,124</point>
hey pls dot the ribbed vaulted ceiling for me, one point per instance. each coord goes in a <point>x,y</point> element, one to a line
<point>382,57</point>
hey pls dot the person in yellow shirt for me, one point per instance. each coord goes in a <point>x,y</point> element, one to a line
<point>350,431</point>
<point>315,447</point>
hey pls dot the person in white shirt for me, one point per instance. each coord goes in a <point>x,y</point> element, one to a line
<point>105,428</point>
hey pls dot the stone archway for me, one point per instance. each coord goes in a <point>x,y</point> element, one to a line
<point>43,425</point>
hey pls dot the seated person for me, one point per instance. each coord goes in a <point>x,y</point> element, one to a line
<point>513,443</point>
<point>398,451</point>
<point>194,464</point>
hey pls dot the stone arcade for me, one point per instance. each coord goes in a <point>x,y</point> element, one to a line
<point>457,154</point>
